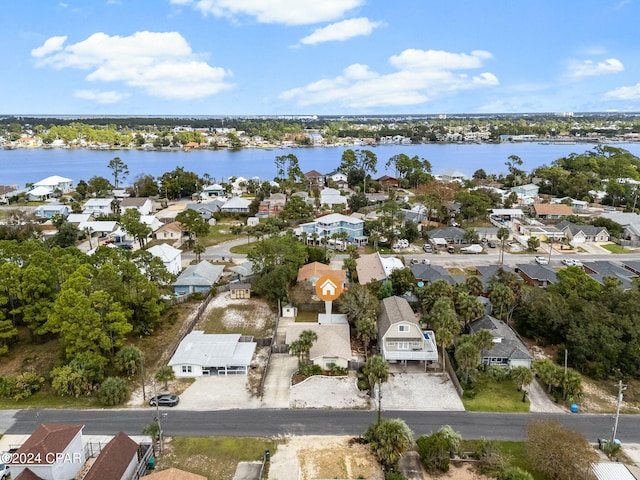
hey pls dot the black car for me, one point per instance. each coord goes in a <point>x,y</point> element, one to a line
<point>165,400</point>
<point>491,245</point>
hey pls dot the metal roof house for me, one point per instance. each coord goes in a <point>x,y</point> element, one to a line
<point>202,354</point>
<point>198,278</point>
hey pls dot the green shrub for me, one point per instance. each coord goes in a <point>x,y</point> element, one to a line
<point>113,391</point>
<point>27,384</point>
<point>515,473</point>
<point>393,475</point>
<point>310,369</point>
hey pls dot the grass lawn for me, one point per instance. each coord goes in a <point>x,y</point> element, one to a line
<point>516,453</point>
<point>615,248</point>
<point>494,396</point>
<point>307,317</point>
<point>221,232</point>
<point>243,249</point>
<point>213,457</point>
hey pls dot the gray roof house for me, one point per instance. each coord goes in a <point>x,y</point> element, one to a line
<point>236,205</point>
<point>536,275</point>
<point>202,354</point>
<point>198,278</point>
<point>600,270</point>
<point>444,236</point>
<point>486,273</point>
<point>508,351</point>
<point>583,233</point>
<point>432,273</point>
<point>400,336</point>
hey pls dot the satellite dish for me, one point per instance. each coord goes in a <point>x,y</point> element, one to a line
<point>421,284</point>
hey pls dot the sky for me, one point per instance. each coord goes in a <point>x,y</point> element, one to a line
<point>318,57</point>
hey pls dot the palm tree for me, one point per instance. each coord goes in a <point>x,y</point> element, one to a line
<point>307,339</point>
<point>165,375</point>
<point>467,358</point>
<point>468,308</point>
<point>483,340</point>
<point>501,296</point>
<point>444,321</point>
<point>198,249</point>
<point>474,285</point>
<point>377,371</point>
<point>521,376</point>
<point>502,234</point>
<point>296,348</point>
<point>366,331</point>
<point>388,440</point>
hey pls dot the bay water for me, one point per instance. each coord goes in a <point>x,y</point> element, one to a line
<point>29,165</point>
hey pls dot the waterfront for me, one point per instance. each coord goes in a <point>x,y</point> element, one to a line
<point>22,166</point>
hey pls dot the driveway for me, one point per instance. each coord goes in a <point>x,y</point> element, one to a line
<point>278,381</point>
<point>420,391</point>
<point>217,393</point>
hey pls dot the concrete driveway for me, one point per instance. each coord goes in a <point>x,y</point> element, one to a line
<point>217,393</point>
<point>420,391</point>
<point>278,381</point>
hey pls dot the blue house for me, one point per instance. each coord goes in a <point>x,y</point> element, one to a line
<point>198,278</point>
<point>336,223</point>
<point>48,210</point>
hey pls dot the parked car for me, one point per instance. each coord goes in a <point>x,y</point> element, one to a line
<point>570,262</point>
<point>427,248</point>
<point>451,249</point>
<point>165,400</point>
<point>542,260</point>
<point>491,245</point>
<point>5,472</point>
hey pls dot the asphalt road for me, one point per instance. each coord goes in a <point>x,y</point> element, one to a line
<point>266,422</point>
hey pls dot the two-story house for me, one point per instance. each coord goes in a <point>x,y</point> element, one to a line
<point>400,336</point>
<point>335,223</point>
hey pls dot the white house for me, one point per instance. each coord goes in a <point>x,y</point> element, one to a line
<point>236,205</point>
<point>400,336</point>
<point>213,191</point>
<point>98,206</point>
<point>333,346</point>
<point>143,204</point>
<point>54,183</point>
<point>200,354</point>
<point>170,256</point>
<point>330,197</point>
<point>52,452</point>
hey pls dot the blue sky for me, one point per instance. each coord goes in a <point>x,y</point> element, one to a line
<point>323,57</point>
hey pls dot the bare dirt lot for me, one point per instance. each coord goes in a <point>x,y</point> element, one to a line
<point>307,458</point>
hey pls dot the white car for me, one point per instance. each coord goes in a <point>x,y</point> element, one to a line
<point>542,260</point>
<point>570,262</point>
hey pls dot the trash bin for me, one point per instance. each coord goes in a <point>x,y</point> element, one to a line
<point>151,464</point>
<point>267,455</point>
<point>574,408</point>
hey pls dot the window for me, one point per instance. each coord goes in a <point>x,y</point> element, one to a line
<point>186,369</point>
<point>403,328</point>
<point>403,345</point>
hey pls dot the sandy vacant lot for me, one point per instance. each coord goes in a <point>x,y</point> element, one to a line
<point>307,458</point>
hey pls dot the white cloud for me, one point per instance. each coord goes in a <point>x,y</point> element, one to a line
<point>589,68</point>
<point>287,12</point>
<point>100,97</point>
<point>53,44</point>
<point>421,77</point>
<point>341,31</point>
<point>160,64</point>
<point>624,93</point>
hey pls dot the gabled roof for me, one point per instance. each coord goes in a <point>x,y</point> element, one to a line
<point>135,201</point>
<point>431,273</point>
<point>114,459</point>
<point>448,232</point>
<point>375,267</point>
<point>313,174</point>
<point>338,217</point>
<point>509,345</point>
<point>395,310</point>
<point>49,438</point>
<point>538,272</point>
<point>173,474</point>
<point>173,226</point>
<point>237,202</point>
<point>574,228</point>
<point>27,474</point>
<point>98,202</point>
<point>165,252</point>
<point>600,270</point>
<point>204,273</point>
<point>39,191</point>
<point>244,269</point>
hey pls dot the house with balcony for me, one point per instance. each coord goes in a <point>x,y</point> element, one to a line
<point>400,336</point>
<point>335,223</point>
<point>55,182</point>
<point>98,206</point>
<point>272,205</point>
<point>49,210</point>
<point>213,191</point>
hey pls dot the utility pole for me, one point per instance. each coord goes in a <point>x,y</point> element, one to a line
<point>144,395</point>
<point>155,392</point>
<point>621,388</point>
